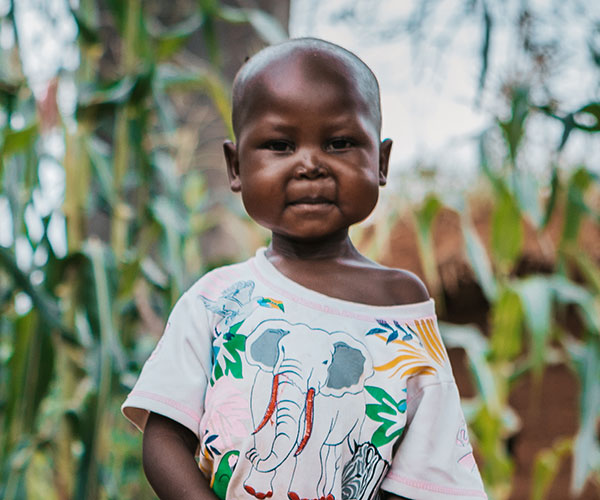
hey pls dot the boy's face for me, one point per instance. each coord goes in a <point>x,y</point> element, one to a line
<point>308,160</point>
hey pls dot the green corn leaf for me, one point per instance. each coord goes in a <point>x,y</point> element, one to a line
<point>205,79</point>
<point>9,89</point>
<point>175,224</point>
<point>586,359</point>
<point>514,128</point>
<point>164,110</point>
<point>507,232</point>
<point>476,346</point>
<point>128,276</point>
<point>17,372</point>
<point>265,25</point>
<point>109,355</point>
<point>568,122</point>
<point>587,267</point>
<point>101,162</point>
<point>40,473</point>
<point>20,140</point>
<point>119,13</point>
<point>485,46</point>
<point>497,464</point>
<point>99,100</point>
<point>495,180</point>
<point>40,367</point>
<point>115,93</point>
<point>576,207</point>
<point>143,84</point>
<point>42,302</point>
<point>168,41</point>
<point>87,31</point>
<point>555,187</point>
<point>425,216</point>
<point>102,268</point>
<point>154,274</point>
<point>170,215</point>
<point>479,261</point>
<point>164,164</point>
<point>572,120</point>
<point>527,195</point>
<point>195,192</point>
<point>592,109</point>
<point>536,296</point>
<point>567,292</point>
<point>547,464</point>
<point>506,327</point>
<point>15,485</point>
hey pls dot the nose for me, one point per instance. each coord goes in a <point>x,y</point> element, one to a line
<point>310,165</point>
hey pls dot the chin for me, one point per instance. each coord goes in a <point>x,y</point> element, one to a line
<point>317,236</point>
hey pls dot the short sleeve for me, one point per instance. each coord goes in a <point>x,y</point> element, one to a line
<point>173,380</point>
<point>434,460</point>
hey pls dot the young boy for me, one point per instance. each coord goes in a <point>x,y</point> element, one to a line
<point>308,371</point>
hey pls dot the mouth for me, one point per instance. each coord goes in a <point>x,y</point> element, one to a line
<point>311,200</point>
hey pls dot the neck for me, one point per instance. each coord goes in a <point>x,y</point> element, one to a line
<point>337,247</point>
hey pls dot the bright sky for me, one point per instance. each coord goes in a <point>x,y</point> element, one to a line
<point>429,87</point>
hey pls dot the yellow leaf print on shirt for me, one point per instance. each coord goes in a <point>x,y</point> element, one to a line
<point>412,359</point>
<point>432,341</point>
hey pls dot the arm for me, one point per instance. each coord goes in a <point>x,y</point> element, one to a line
<point>169,463</point>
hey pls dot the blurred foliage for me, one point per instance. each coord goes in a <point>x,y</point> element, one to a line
<point>86,284</point>
<point>526,328</point>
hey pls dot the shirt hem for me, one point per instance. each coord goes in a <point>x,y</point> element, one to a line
<point>156,403</point>
<point>426,486</point>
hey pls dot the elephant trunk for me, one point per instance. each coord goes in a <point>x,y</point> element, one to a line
<point>288,411</point>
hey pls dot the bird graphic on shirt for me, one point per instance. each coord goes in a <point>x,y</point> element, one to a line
<point>236,304</point>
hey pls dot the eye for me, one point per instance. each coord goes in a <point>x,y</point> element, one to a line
<point>340,144</point>
<point>279,146</point>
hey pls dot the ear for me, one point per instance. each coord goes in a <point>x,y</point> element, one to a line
<point>346,368</point>
<point>233,166</point>
<point>264,351</point>
<point>385,150</point>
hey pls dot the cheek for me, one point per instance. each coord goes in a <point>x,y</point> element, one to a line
<point>363,195</point>
<point>260,185</point>
<point>262,199</point>
<point>368,202</point>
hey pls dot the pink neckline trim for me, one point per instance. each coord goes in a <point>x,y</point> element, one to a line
<point>375,312</point>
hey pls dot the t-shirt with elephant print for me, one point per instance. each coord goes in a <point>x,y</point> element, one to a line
<point>297,395</point>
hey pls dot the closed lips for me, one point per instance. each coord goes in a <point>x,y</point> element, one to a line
<point>308,200</point>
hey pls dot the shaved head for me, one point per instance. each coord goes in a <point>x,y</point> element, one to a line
<point>318,59</point>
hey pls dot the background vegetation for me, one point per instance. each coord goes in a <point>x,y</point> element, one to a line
<point>86,283</point>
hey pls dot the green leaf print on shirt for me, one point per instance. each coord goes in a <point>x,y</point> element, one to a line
<point>224,472</point>
<point>388,412</point>
<point>230,362</point>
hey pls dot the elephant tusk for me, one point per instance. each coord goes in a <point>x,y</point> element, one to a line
<point>272,403</point>
<point>310,396</point>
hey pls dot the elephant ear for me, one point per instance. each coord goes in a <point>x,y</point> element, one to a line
<point>264,351</point>
<point>346,369</point>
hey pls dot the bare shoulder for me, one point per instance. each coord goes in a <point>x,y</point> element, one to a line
<point>403,287</point>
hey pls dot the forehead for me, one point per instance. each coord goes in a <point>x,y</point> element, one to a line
<point>306,75</point>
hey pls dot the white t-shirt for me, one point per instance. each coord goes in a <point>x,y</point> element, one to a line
<point>294,394</point>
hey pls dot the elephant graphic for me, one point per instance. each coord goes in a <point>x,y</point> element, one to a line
<point>315,405</point>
